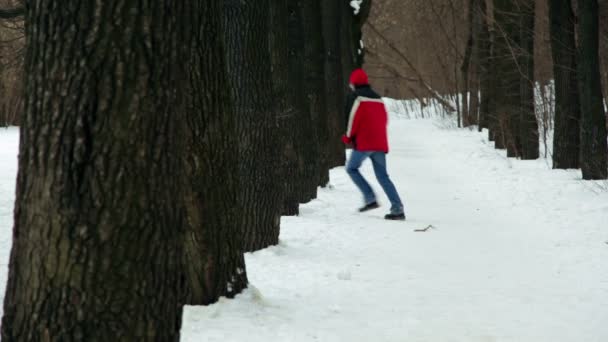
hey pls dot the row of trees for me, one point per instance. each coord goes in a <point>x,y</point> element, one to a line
<point>161,140</point>
<point>498,52</point>
<point>501,49</point>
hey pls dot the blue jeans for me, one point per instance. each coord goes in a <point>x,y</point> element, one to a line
<point>379,164</point>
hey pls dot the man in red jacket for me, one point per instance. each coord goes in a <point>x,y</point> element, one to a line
<point>367,122</point>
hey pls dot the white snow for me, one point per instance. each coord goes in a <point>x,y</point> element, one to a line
<point>9,146</point>
<point>356,5</point>
<point>519,253</point>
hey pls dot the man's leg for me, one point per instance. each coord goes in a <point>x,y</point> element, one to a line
<point>352,168</point>
<point>379,163</point>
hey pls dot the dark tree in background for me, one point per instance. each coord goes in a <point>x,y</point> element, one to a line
<point>213,251</point>
<point>593,119</point>
<point>528,129</point>
<point>98,226</point>
<point>566,137</point>
<point>246,29</point>
<point>483,58</point>
<point>508,96</point>
<point>514,63</point>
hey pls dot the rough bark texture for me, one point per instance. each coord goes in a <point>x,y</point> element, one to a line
<point>314,69</point>
<point>528,129</point>
<point>98,229</point>
<point>593,123</point>
<point>335,81</point>
<point>287,118</point>
<point>246,28</point>
<point>307,147</point>
<point>566,138</point>
<point>213,253</point>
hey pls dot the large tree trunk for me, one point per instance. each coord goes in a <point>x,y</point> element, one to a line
<point>259,204</point>
<point>593,121</point>
<point>98,226</point>
<point>286,119</point>
<point>314,69</point>
<point>528,130</point>
<point>508,95</point>
<point>566,137</point>
<point>213,252</point>
<point>307,147</point>
<point>335,81</point>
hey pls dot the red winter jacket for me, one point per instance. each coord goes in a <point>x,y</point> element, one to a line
<point>367,118</point>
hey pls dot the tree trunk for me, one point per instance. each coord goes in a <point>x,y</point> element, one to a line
<point>98,225</point>
<point>465,66</point>
<point>566,137</point>
<point>528,132</point>
<point>485,69</point>
<point>259,204</point>
<point>593,121</point>
<point>347,40</point>
<point>314,69</point>
<point>213,252</point>
<point>335,81</point>
<point>508,95</point>
<point>306,145</point>
<point>286,119</point>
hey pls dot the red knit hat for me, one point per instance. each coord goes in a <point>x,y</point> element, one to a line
<point>358,77</point>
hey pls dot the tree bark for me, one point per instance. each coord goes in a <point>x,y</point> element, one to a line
<point>593,121</point>
<point>314,69</point>
<point>259,204</point>
<point>98,226</point>
<point>287,119</point>
<point>213,251</point>
<point>335,81</point>
<point>528,130</point>
<point>307,147</point>
<point>566,137</point>
<point>485,70</point>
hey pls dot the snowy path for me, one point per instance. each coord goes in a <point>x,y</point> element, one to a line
<point>519,254</point>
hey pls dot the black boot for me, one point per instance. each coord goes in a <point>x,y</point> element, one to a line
<point>397,217</point>
<point>370,206</point>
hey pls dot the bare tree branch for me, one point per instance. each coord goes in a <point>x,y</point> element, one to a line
<point>12,13</point>
<point>429,89</point>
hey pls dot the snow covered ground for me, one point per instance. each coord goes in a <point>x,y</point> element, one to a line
<point>519,253</point>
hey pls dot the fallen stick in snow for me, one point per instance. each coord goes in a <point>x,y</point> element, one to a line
<point>425,229</point>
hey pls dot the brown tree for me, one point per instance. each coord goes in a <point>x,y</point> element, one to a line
<point>98,225</point>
